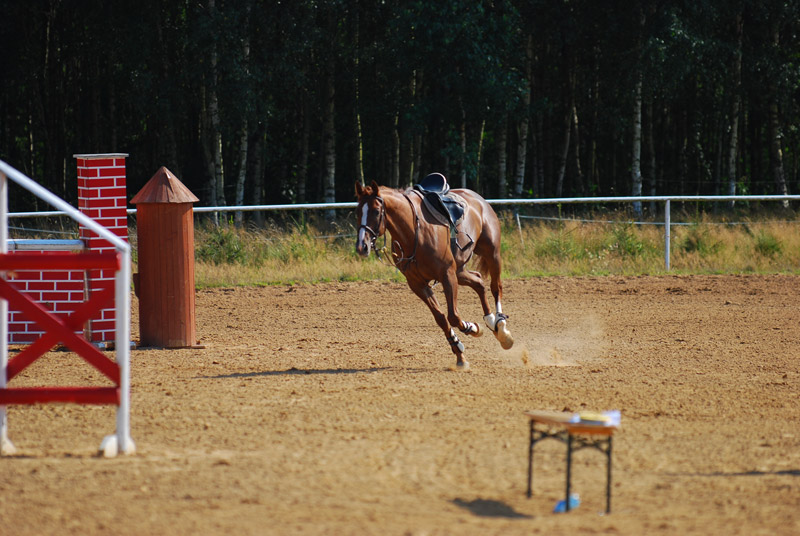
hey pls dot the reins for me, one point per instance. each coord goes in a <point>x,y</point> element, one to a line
<point>413,257</point>
<point>396,261</point>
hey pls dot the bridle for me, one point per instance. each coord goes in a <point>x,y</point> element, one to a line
<point>395,260</point>
<point>375,233</point>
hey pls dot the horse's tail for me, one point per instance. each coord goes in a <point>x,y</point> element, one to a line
<point>482,264</point>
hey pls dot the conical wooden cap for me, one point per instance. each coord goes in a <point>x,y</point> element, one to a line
<point>164,187</point>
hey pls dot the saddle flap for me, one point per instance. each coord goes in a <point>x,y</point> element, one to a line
<point>446,210</point>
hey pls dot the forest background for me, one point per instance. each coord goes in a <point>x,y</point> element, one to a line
<point>252,102</point>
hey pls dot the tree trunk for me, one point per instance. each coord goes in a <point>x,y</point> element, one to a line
<point>478,157</point>
<point>167,123</point>
<point>359,145</point>
<point>594,179</point>
<point>463,145</point>
<point>217,183</point>
<point>562,160</point>
<point>416,142</point>
<point>733,140</point>
<point>775,134</point>
<point>636,149</point>
<point>258,173</point>
<point>305,137</point>
<point>569,101</point>
<point>776,151</point>
<point>522,129</point>
<point>394,176</point>
<point>502,158</point>
<point>636,158</point>
<point>202,136</point>
<point>329,139</point>
<point>240,179</point>
<point>651,154</point>
<point>417,158</point>
<point>539,168</point>
<point>243,140</point>
<point>577,151</point>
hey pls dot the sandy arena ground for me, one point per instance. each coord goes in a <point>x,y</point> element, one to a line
<point>332,409</point>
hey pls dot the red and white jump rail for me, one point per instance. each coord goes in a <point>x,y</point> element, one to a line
<point>62,328</point>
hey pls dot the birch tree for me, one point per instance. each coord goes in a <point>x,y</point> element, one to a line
<point>735,102</point>
<point>522,128</point>
<point>243,134</point>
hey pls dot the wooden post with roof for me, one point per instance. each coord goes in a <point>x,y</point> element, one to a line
<point>165,281</point>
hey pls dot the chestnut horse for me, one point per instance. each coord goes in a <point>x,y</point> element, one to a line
<point>422,250</point>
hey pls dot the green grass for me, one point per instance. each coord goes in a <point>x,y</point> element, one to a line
<point>303,253</point>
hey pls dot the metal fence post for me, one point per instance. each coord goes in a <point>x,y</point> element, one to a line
<point>666,234</point>
<point>6,447</point>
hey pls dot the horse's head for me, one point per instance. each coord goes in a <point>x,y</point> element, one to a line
<point>371,215</point>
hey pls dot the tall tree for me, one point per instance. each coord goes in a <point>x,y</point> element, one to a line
<point>735,103</point>
<point>522,127</point>
<point>243,135</point>
<point>328,115</point>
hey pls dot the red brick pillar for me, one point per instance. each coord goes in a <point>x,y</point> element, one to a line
<point>102,197</point>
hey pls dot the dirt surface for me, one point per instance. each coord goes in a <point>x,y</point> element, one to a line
<point>333,409</point>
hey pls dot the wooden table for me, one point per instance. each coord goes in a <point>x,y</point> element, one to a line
<point>576,435</point>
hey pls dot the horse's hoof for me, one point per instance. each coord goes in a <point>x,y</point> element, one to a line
<point>473,329</point>
<point>463,366</point>
<point>504,336</point>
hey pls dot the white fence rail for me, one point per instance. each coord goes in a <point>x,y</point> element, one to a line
<point>666,199</point>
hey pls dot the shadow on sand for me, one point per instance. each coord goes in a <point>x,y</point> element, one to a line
<point>294,371</point>
<point>490,508</point>
<point>785,472</point>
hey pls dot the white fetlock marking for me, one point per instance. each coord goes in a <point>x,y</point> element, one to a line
<point>491,321</point>
<point>471,328</point>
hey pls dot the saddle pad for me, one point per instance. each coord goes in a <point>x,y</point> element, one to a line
<point>438,216</point>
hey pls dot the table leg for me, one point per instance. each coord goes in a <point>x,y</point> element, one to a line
<point>569,469</point>
<point>608,478</point>
<point>531,443</point>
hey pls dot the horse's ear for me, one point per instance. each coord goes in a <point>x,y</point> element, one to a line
<point>359,189</point>
<point>375,187</point>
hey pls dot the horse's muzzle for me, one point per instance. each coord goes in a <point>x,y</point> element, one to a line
<point>363,244</point>
<point>362,248</point>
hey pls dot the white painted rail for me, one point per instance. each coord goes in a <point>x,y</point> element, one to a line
<point>666,199</point>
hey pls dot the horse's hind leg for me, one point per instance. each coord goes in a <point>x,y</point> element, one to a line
<point>426,294</point>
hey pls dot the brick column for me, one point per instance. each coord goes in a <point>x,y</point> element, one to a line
<point>102,197</point>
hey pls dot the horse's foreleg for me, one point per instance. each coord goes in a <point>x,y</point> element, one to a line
<point>474,281</point>
<point>450,287</point>
<point>426,294</point>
